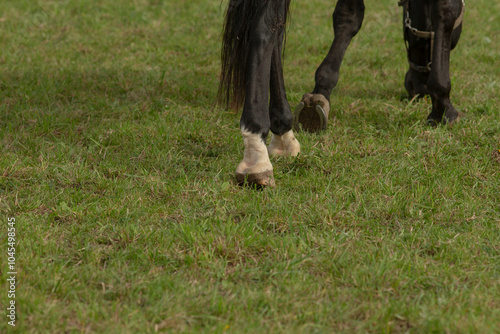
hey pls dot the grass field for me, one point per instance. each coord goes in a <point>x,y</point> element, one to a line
<point>118,168</point>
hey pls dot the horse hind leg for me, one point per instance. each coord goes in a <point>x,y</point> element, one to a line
<point>283,141</point>
<point>256,168</point>
<point>312,112</point>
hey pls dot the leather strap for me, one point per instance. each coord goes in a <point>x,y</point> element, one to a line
<point>424,34</point>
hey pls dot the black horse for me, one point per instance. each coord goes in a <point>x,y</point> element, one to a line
<point>252,73</point>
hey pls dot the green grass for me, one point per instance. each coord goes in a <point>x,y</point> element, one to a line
<point>118,167</point>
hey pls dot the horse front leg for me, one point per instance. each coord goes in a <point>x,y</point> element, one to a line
<point>312,112</point>
<point>444,15</point>
<point>415,15</point>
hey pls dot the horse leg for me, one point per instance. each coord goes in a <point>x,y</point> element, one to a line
<point>444,14</point>
<point>283,141</point>
<point>314,107</point>
<point>256,168</point>
<point>418,47</point>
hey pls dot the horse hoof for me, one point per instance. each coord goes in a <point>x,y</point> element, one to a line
<point>259,180</point>
<point>284,145</point>
<point>432,122</point>
<point>311,114</point>
<point>450,117</point>
<point>255,168</point>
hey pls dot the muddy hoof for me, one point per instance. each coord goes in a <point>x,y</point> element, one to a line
<point>311,114</point>
<point>258,180</point>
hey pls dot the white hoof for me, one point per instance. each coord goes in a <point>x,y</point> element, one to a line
<point>286,144</point>
<point>255,168</point>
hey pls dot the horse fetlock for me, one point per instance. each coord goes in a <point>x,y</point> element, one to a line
<point>285,145</point>
<point>316,99</point>
<point>416,83</point>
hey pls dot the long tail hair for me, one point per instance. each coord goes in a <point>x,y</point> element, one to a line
<point>241,16</point>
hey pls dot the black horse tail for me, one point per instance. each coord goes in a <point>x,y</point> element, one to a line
<point>241,17</point>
